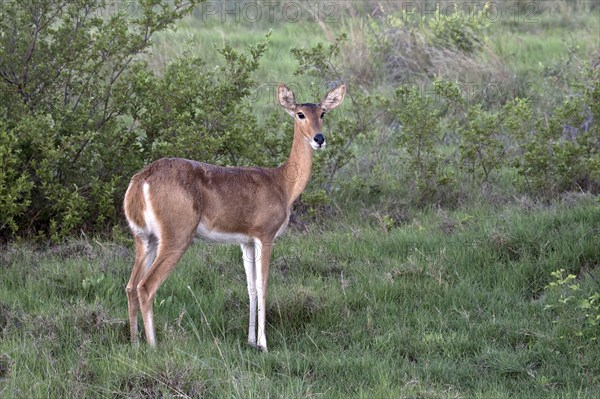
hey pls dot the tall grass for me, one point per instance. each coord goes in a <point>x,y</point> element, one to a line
<point>446,305</point>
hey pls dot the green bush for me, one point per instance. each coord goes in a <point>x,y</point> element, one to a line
<point>420,136</point>
<point>201,112</point>
<point>69,144</point>
<point>481,150</point>
<point>82,113</point>
<point>458,29</point>
<point>561,151</point>
<point>15,188</point>
<point>576,311</point>
<point>551,153</point>
<point>478,132</point>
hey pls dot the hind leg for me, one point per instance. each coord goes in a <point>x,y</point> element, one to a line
<point>170,250</point>
<point>145,252</point>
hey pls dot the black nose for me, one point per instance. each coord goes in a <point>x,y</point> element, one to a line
<point>319,139</point>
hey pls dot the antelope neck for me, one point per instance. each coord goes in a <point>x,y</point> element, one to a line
<point>296,170</point>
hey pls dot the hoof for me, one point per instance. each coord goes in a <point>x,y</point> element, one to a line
<point>262,348</point>
<point>259,348</point>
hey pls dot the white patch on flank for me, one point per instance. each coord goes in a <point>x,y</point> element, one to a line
<point>149,233</point>
<point>203,233</point>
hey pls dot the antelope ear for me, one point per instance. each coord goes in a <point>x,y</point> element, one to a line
<point>333,98</point>
<point>286,99</point>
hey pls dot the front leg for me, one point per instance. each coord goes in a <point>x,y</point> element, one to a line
<point>248,256</point>
<point>263,252</point>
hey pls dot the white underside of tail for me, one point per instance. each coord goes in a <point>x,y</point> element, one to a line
<point>151,227</point>
<point>150,232</point>
<point>137,230</point>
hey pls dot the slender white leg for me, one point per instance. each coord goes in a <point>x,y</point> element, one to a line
<point>248,256</point>
<point>149,328</point>
<point>262,258</point>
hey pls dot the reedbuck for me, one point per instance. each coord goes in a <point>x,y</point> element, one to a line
<point>174,201</point>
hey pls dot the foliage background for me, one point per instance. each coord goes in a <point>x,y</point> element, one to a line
<point>88,100</point>
<point>447,244</point>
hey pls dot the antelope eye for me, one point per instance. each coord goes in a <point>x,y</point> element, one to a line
<point>301,115</point>
<point>322,115</point>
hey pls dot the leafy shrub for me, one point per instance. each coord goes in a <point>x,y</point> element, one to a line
<point>14,187</point>
<point>419,115</point>
<point>481,150</point>
<point>576,311</point>
<point>60,64</point>
<point>551,153</point>
<point>457,29</point>
<point>559,152</point>
<point>82,113</point>
<point>200,112</point>
<point>480,146</point>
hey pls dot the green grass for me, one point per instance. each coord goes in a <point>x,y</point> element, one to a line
<point>444,306</point>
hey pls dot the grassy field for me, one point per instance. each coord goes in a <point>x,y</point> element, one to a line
<point>449,304</point>
<point>377,298</point>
